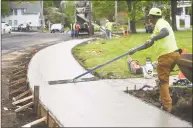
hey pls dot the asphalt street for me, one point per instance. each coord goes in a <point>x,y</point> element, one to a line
<point>20,40</point>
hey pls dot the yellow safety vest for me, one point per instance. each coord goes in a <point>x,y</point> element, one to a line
<point>108,26</point>
<point>72,26</point>
<point>165,45</point>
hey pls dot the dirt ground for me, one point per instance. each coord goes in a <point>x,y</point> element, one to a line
<point>11,72</point>
<point>10,66</point>
<point>181,97</point>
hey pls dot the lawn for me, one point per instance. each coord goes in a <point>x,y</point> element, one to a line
<point>97,52</point>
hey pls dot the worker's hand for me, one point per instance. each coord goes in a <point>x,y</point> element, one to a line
<point>132,51</point>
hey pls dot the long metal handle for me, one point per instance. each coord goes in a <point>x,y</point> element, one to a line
<point>99,66</point>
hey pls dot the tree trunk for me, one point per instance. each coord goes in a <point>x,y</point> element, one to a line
<point>57,3</point>
<point>132,21</point>
<point>132,25</point>
<point>173,10</point>
<point>133,28</point>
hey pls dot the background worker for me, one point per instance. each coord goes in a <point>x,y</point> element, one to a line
<point>108,28</point>
<point>149,27</point>
<point>72,28</point>
<point>77,28</point>
<point>164,43</point>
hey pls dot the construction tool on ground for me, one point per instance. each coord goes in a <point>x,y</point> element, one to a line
<point>148,69</point>
<point>134,66</point>
<point>92,69</point>
<point>184,63</point>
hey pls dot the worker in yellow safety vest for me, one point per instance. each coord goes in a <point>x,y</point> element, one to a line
<point>163,41</point>
<point>72,28</point>
<point>108,28</point>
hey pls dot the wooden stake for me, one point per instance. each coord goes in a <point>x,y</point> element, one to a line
<point>36,98</point>
<point>35,122</point>
<point>47,118</point>
<point>18,76</point>
<point>22,100</point>
<point>39,110</point>
<point>21,95</point>
<point>18,90</point>
<point>18,72</point>
<point>18,81</point>
<point>23,107</point>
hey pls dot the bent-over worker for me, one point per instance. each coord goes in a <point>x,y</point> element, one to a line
<point>163,41</point>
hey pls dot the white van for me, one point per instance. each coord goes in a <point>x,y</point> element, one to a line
<point>57,28</point>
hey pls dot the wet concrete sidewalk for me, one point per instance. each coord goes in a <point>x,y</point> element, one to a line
<point>91,104</point>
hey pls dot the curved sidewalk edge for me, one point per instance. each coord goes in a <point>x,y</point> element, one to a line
<point>93,104</point>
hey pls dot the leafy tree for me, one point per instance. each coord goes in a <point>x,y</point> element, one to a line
<point>48,4</point>
<point>57,3</point>
<point>103,9</point>
<point>69,11</point>
<point>135,11</point>
<point>53,15</point>
<point>4,8</point>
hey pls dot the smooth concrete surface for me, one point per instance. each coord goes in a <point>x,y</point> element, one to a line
<point>93,104</point>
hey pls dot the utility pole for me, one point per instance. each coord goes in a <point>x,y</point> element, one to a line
<point>116,11</point>
<point>63,6</point>
<point>90,19</point>
<point>42,15</point>
<point>75,17</point>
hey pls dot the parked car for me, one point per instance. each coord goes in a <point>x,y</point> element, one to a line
<point>23,27</point>
<point>57,28</point>
<point>5,28</point>
<point>116,25</point>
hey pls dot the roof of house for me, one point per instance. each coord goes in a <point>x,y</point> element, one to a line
<point>31,7</point>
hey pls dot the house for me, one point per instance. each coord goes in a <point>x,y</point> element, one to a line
<point>122,17</point>
<point>183,14</point>
<point>23,13</point>
<point>183,18</point>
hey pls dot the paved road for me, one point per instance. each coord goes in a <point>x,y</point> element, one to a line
<point>20,40</point>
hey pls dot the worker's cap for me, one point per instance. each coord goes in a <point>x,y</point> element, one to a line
<point>155,12</point>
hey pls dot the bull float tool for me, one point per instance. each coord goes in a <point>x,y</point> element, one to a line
<point>184,63</point>
<point>74,80</point>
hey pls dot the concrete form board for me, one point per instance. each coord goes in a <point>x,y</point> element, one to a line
<point>96,103</point>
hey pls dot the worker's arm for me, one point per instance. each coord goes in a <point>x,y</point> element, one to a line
<point>163,33</point>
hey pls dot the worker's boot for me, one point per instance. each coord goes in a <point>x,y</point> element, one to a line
<point>165,98</point>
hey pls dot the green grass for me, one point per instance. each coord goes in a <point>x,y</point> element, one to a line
<point>115,47</point>
<point>66,28</point>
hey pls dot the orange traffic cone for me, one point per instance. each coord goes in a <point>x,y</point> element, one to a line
<point>123,30</point>
<point>184,51</point>
<point>127,31</point>
<point>180,74</point>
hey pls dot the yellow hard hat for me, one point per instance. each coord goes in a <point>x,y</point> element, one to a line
<point>155,11</point>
